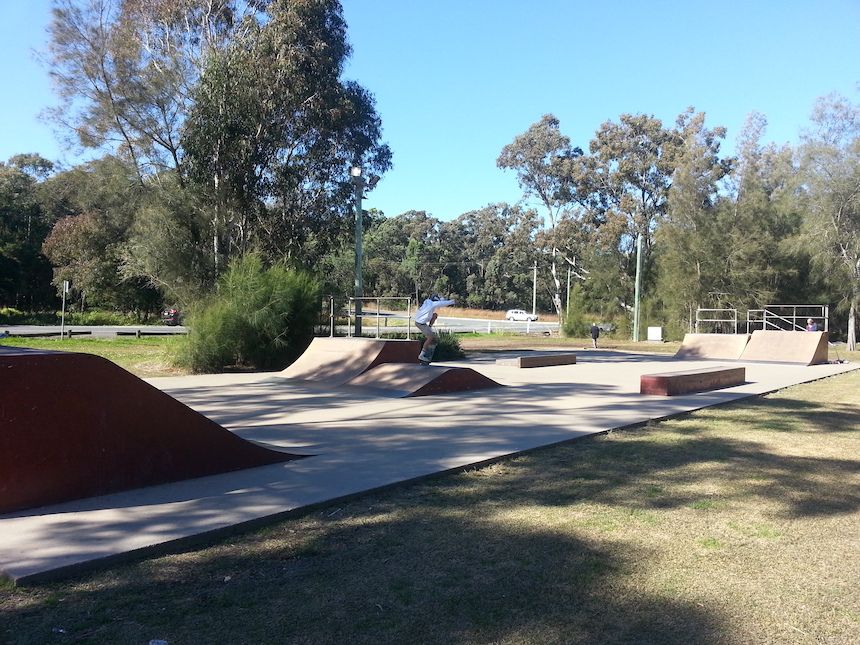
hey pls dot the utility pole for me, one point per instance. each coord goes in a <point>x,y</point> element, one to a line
<point>63,314</point>
<point>358,180</point>
<point>638,284</point>
<point>534,290</point>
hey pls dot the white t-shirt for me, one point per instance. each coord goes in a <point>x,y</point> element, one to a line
<point>425,311</point>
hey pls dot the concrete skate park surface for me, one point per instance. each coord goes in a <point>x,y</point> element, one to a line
<point>358,441</point>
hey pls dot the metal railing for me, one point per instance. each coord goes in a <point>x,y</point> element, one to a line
<point>778,317</point>
<point>378,316</point>
<point>720,319</point>
<point>788,317</point>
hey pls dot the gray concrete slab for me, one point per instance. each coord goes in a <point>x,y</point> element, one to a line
<point>359,441</point>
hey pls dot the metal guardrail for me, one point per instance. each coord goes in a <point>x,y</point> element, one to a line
<point>66,333</point>
<point>69,332</point>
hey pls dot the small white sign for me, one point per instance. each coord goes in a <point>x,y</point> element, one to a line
<point>655,333</point>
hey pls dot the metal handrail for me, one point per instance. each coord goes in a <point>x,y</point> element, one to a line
<point>378,299</point>
<point>770,316</point>
<point>733,320</point>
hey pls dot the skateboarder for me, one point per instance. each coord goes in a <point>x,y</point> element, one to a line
<point>424,319</point>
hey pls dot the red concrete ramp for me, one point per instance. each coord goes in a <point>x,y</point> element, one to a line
<point>803,347</point>
<point>401,379</point>
<point>76,425</point>
<point>336,361</point>
<point>720,347</point>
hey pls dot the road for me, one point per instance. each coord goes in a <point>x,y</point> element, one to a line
<point>395,323</point>
<point>93,330</point>
<point>481,326</point>
<point>387,323</point>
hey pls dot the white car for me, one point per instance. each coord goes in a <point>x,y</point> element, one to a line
<point>519,314</point>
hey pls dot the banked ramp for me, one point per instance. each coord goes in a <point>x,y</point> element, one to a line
<point>402,379</point>
<point>718,347</point>
<point>76,425</point>
<point>336,361</point>
<point>390,367</point>
<point>776,346</point>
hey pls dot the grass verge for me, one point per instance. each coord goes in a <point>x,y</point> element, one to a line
<point>145,357</point>
<point>735,524</point>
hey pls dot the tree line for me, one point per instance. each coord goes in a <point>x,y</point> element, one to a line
<point>220,128</point>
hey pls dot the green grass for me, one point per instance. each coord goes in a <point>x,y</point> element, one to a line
<point>145,357</point>
<point>735,524</point>
<point>10,316</point>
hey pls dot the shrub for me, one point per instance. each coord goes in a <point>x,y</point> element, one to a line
<point>448,348</point>
<point>100,317</point>
<point>623,327</point>
<point>260,318</point>
<point>11,316</point>
<point>576,324</point>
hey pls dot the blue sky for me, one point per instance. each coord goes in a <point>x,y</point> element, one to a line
<point>456,80</point>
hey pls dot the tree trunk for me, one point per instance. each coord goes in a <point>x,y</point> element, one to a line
<point>556,297</point>
<point>852,333</point>
<point>852,312</point>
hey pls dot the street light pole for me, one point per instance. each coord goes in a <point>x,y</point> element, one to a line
<point>358,180</point>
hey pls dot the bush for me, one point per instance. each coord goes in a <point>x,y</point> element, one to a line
<point>11,316</point>
<point>576,324</point>
<point>259,318</point>
<point>623,327</point>
<point>99,317</point>
<point>448,348</point>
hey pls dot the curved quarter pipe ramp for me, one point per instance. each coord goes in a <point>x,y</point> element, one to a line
<point>335,361</point>
<point>76,425</point>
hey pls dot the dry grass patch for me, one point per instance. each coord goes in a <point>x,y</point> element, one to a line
<point>735,524</point>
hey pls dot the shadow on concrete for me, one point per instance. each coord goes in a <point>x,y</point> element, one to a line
<point>437,562</point>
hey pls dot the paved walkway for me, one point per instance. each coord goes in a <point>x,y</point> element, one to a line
<point>359,441</point>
